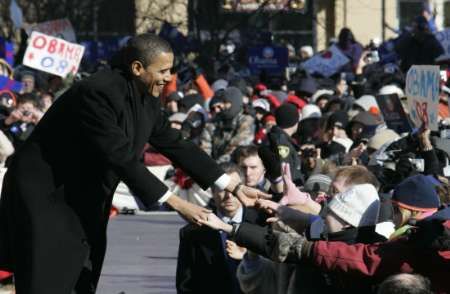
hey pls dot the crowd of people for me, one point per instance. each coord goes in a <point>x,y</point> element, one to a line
<point>356,207</point>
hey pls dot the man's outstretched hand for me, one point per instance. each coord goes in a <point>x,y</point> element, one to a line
<point>247,195</point>
<point>190,212</point>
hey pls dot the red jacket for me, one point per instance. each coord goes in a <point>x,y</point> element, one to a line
<point>380,260</point>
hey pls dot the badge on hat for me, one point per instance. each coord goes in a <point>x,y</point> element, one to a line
<point>283,151</point>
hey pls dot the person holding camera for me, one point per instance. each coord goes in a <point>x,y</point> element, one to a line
<point>19,124</point>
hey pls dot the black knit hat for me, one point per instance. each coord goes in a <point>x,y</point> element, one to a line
<point>287,116</point>
<point>339,119</point>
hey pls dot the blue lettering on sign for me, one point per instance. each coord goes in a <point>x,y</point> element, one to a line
<point>47,61</point>
<point>423,84</point>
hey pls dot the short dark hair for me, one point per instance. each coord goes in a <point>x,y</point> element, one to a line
<point>243,152</point>
<point>405,284</point>
<point>27,97</point>
<point>229,168</point>
<point>143,48</point>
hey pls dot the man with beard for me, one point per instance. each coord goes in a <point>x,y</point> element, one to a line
<point>58,190</point>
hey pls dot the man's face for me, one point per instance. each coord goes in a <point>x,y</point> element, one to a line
<point>28,84</point>
<point>27,109</point>
<point>338,185</point>
<point>226,202</point>
<point>157,74</point>
<point>253,170</point>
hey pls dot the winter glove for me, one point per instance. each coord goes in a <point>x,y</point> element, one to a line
<point>271,161</point>
<point>290,247</point>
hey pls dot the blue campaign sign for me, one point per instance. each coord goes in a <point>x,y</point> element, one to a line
<point>271,59</point>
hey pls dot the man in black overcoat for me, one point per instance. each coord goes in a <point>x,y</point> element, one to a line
<point>58,189</point>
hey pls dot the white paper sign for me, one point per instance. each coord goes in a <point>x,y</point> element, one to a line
<point>422,90</point>
<point>52,55</point>
<point>326,63</point>
<point>60,28</point>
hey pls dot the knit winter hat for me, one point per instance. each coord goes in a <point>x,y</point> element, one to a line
<point>366,102</point>
<point>234,96</point>
<point>311,111</point>
<point>359,206</point>
<point>339,119</point>
<point>416,193</point>
<point>218,85</point>
<point>261,103</point>
<point>307,87</point>
<point>287,115</point>
<point>317,182</point>
<point>320,93</point>
<point>382,137</point>
<point>178,117</point>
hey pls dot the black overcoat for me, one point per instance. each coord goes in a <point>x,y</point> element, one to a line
<point>58,190</point>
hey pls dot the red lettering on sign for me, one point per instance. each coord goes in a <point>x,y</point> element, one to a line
<point>69,51</point>
<point>52,46</point>
<point>39,42</point>
<point>77,53</point>
<point>62,46</point>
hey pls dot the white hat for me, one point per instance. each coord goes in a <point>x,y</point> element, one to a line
<point>319,93</point>
<point>261,103</point>
<point>382,137</point>
<point>359,206</point>
<point>391,89</point>
<point>310,111</point>
<point>366,102</point>
<point>308,50</point>
<point>220,84</point>
<point>178,117</point>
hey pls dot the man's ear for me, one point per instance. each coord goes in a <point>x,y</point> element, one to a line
<point>136,68</point>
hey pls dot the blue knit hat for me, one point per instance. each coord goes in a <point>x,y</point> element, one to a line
<point>416,193</point>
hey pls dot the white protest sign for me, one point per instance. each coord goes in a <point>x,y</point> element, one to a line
<point>60,28</point>
<point>422,90</point>
<point>52,55</point>
<point>326,63</point>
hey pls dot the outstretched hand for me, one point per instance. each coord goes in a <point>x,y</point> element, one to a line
<point>248,195</point>
<point>190,212</point>
<point>234,251</point>
<point>216,223</point>
<point>291,195</point>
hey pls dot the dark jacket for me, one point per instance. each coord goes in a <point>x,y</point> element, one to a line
<point>58,190</point>
<point>287,149</point>
<point>203,266</point>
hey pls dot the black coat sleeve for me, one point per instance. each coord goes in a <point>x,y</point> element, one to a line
<point>99,114</point>
<point>183,153</point>
<point>255,238</point>
<point>185,264</point>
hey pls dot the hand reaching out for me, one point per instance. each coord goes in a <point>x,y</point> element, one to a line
<point>292,195</point>
<point>234,251</point>
<point>216,223</point>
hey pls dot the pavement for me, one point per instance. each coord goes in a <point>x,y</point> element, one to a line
<point>142,254</point>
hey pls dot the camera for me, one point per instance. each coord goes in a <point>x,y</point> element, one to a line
<point>26,113</point>
<point>373,57</point>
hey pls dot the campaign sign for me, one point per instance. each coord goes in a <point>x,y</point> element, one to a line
<point>271,59</point>
<point>326,63</point>
<point>60,28</point>
<point>52,55</point>
<point>422,90</point>
<point>393,113</point>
